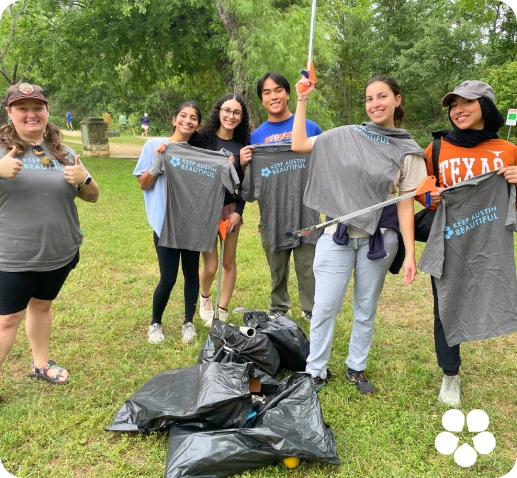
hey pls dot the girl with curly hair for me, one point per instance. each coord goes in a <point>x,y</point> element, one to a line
<point>227,130</point>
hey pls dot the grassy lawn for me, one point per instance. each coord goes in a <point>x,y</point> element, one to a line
<point>100,336</point>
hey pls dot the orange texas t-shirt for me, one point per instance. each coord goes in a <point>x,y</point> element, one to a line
<point>456,163</point>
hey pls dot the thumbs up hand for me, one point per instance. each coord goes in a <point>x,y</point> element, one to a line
<point>10,167</point>
<point>75,174</point>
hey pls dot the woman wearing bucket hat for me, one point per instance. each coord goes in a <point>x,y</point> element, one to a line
<point>470,149</point>
<point>40,236</point>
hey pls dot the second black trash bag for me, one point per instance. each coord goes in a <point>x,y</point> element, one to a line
<point>287,337</point>
<point>291,424</point>
<point>210,394</point>
<point>225,342</point>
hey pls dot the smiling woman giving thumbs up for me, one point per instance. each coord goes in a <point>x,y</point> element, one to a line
<point>40,236</point>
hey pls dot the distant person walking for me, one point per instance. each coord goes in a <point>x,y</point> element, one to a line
<point>122,122</point>
<point>68,118</point>
<point>107,117</point>
<point>145,121</point>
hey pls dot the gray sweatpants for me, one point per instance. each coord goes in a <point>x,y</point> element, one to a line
<point>333,266</point>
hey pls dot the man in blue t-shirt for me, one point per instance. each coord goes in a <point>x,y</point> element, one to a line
<point>273,90</point>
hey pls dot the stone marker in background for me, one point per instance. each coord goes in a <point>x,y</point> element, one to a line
<point>94,133</point>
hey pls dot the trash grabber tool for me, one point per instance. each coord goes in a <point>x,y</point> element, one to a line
<point>309,71</point>
<point>221,230</point>
<point>426,186</point>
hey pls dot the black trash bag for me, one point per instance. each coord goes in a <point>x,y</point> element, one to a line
<point>291,424</point>
<point>202,395</point>
<point>287,337</point>
<point>225,343</point>
<point>268,384</point>
<point>252,317</point>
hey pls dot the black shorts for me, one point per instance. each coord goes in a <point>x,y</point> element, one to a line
<point>17,288</point>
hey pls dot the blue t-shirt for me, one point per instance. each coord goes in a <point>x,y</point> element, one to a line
<point>281,132</point>
<point>154,197</point>
<point>69,116</point>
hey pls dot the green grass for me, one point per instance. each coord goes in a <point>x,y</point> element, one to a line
<point>100,335</point>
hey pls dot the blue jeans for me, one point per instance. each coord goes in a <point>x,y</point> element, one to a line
<point>333,266</point>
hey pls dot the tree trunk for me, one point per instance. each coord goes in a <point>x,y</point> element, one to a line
<point>240,87</point>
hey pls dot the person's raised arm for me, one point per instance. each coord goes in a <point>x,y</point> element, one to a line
<point>300,142</point>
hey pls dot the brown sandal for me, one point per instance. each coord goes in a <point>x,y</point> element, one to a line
<point>51,373</point>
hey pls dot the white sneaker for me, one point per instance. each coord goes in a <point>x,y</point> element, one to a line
<point>274,314</point>
<point>223,314</point>
<point>307,316</point>
<point>450,392</point>
<point>188,333</point>
<point>155,334</point>
<point>206,312</point>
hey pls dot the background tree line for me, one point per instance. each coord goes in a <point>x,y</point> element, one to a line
<point>131,56</point>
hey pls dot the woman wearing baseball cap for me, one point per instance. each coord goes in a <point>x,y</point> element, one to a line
<point>470,149</point>
<point>40,236</point>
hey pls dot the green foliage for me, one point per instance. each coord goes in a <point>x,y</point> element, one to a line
<point>130,57</point>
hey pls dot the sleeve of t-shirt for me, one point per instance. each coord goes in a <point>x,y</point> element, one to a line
<point>158,166</point>
<point>432,257</point>
<point>248,185</point>
<point>230,178</point>
<point>412,172</point>
<point>146,159</point>
<point>312,128</point>
<point>511,216</point>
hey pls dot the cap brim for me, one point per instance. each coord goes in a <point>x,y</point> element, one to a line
<point>21,97</point>
<point>446,100</point>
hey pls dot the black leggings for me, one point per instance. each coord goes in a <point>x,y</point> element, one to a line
<point>448,357</point>
<point>169,261</point>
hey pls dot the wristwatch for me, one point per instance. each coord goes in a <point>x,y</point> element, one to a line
<point>88,179</point>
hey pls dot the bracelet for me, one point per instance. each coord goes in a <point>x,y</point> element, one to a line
<point>302,99</point>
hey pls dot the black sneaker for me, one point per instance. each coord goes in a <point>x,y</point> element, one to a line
<point>361,382</point>
<point>319,383</point>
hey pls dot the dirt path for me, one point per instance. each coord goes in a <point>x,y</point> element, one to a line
<point>128,151</point>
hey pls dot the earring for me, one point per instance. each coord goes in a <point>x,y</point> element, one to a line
<point>10,120</point>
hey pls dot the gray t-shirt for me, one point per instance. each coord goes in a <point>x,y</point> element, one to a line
<point>276,178</point>
<point>353,167</point>
<point>39,224</point>
<point>471,255</point>
<point>195,182</point>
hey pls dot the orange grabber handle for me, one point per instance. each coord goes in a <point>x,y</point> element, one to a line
<point>309,73</point>
<point>427,185</point>
<point>223,225</point>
